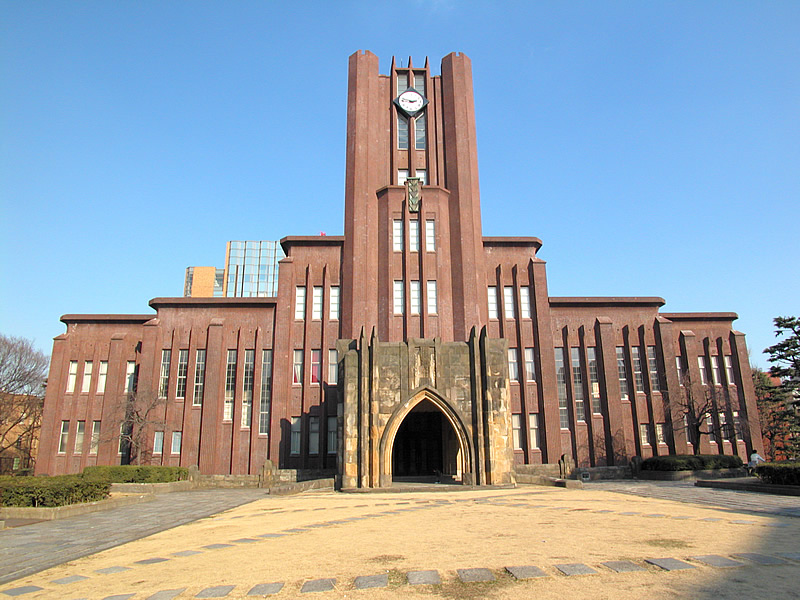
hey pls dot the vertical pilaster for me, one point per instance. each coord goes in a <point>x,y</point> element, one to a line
<point>212,411</point>
<point>611,393</point>
<point>747,394</point>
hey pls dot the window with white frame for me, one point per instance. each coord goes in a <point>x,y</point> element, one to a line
<point>334,307</point>
<point>332,427</point>
<point>729,369</point>
<point>492,296</point>
<point>533,427</point>
<point>513,365</point>
<point>72,376</point>
<point>124,438</point>
<point>158,442</point>
<point>530,365</point>
<point>661,437</point>
<point>316,302</point>
<point>266,392</point>
<point>199,377</point>
<point>419,132</point>
<point>163,379</point>
<point>294,447</point>
<point>712,435</point>
<point>561,386</point>
<point>701,364</point>
<point>402,176</point>
<point>413,235</point>
<point>508,302</point>
<point>433,299</point>
<point>248,382</point>
<point>430,235</point>
<point>183,372</point>
<point>313,435</point>
<point>652,369</point>
<point>594,380</point>
<point>415,297</point>
<point>300,303</point>
<point>95,441</point>
<point>422,175</point>
<point>130,376</point>
<point>638,376</point>
<point>333,367</point>
<point>525,302</point>
<point>399,300</point>
<point>316,366</point>
<point>230,385</point>
<point>622,373</point>
<point>297,367</point>
<point>402,132</point>
<point>87,377</point>
<point>80,431</point>
<point>516,431</point>
<point>101,377</point>
<point>577,384</point>
<point>62,441</point>
<point>397,235</point>
<point>644,434</point>
<point>725,427</point>
<point>175,448</point>
<point>737,426</point>
<point>716,373</point>
<point>680,369</point>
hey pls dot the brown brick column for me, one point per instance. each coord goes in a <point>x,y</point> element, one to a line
<point>611,392</point>
<point>747,394</point>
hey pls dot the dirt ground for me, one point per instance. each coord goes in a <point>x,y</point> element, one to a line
<point>447,531</point>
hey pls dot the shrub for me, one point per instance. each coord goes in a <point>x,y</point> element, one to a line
<point>136,474</point>
<point>51,491</point>
<point>779,473</point>
<point>691,462</point>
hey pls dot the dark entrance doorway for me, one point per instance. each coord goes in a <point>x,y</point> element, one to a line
<point>425,447</point>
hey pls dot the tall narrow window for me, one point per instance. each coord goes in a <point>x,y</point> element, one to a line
<point>433,300</point>
<point>508,302</point>
<point>183,371</point>
<point>622,373</point>
<point>430,235</point>
<point>230,385</point>
<point>294,447</point>
<point>716,373</point>
<point>124,439</point>
<point>62,441</point>
<point>175,448</point>
<point>415,297</point>
<point>333,367</point>
<point>199,377</point>
<point>101,377</point>
<point>680,369</point>
<point>297,367</point>
<point>422,175</point>
<point>525,302</point>
<point>737,426</point>
<point>533,426</point>
<point>638,376</point>
<point>72,376</point>
<point>419,132</point>
<point>729,370</point>
<point>402,176</point>
<point>413,235</point>
<point>300,303</point>
<point>513,365</point>
<point>402,82</point>
<point>399,301</point>
<point>516,431</point>
<point>724,427</point>
<point>316,366</point>
<point>95,441</point>
<point>313,435</point>
<point>316,302</point>
<point>577,384</point>
<point>594,379</point>
<point>158,442</point>
<point>402,132</point>
<point>163,380</point>
<point>561,384</point>
<point>701,364</point>
<point>397,235</point>
<point>644,434</point>
<point>334,308</point>
<point>266,392</point>
<point>652,369</point>
<point>712,435</point>
<point>332,426</point>
<point>419,82</point>
<point>87,377</point>
<point>248,378</point>
<point>130,376</point>
<point>661,437</point>
<point>530,365</point>
<point>492,302</point>
<point>79,433</point>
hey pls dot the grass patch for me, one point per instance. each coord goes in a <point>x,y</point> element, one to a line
<point>457,590</point>
<point>383,559</point>
<point>667,543</point>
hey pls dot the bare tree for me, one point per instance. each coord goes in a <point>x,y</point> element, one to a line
<point>22,368</point>
<point>698,414</point>
<point>138,414</point>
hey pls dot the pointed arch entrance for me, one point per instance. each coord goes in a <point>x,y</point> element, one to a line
<point>426,441</point>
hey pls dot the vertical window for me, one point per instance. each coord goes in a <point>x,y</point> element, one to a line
<point>402,132</point>
<point>313,435</point>
<point>399,301</point>
<point>297,367</point>
<point>175,448</point>
<point>199,377</point>
<point>419,131</point>
<point>712,436</point>
<point>644,434</point>
<point>248,378</point>
<point>332,426</point>
<point>701,363</point>
<point>87,377</point>
<point>130,376</point>
<point>652,369</point>
<point>508,302</point>
<point>415,299</point>
<point>183,371</point>
<point>72,376</point>
<point>516,427</point>
<point>397,235</point>
<point>493,302</point>
<point>716,373</point>
<point>95,441</point>
<point>422,175</point>
<point>300,303</point>
<point>638,377</point>
<point>622,373</point>
<point>123,439</point>
<point>577,385</point>
<point>561,384</point>
<point>62,441</point>
<point>433,298</point>
<point>533,426</point>
<point>266,392</point>
<point>419,82</point>
<point>680,369</point>
<point>163,380</point>
<point>334,308</point>
<point>295,437</point>
<point>660,436</point>
<point>594,380</point>
<point>316,302</point>
<point>402,176</point>
<point>158,442</point>
<point>430,235</point>
<point>513,365</point>
<point>333,367</point>
<point>402,82</point>
<point>737,426</point>
<point>725,427</point>
<point>525,302</point>
<point>101,377</point>
<point>230,385</point>
<point>316,366</point>
<point>530,365</point>
<point>79,433</point>
<point>413,235</point>
<point>729,370</point>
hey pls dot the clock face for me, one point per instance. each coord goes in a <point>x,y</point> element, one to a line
<point>411,101</point>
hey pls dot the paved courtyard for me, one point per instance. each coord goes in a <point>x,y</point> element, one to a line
<point>616,539</point>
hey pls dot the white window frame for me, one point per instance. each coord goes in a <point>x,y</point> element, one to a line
<point>702,365</point>
<point>334,303</point>
<point>248,384</point>
<point>64,438</point>
<point>230,384</point>
<point>333,367</point>
<point>416,300</point>
<point>101,377</point>
<point>402,176</point>
<point>300,303</point>
<point>316,367</point>
<point>182,375</point>
<point>295,439</point>
<point>86,383</point>
<point>398,297</point>
<point>533,427</point>
<point>297,367</point>
<point>508,302</point>
<point>525,302</point>
<point>80,432</point>
<point>158,442</point>
<point>530,364</point>
<point>433,297</point>
<point>397,235</point>
<point>266,392</point>
<point>716,371</point>
<point>316,302</point>
<point>492,299</point>
<point>413,235</point>
<point>177,439</point>
<point>199,377</point>
<point>430,235</point>
<point>95,440</point>
<point>513,365</point>
<point>163,376</point>
<point>516,431</point>
<point>72,376</point>
<point>130,376</point>
<point>729,372</point>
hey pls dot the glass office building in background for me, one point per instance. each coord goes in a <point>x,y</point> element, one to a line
<point>251,271</point>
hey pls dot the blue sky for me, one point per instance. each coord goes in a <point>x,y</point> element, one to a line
<point>654,147</point>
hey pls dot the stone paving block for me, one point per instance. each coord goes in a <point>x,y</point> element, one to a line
<point>669,564</point>
<point>295,530</point>
<point>25,589</point>
<point>760,559</point>
<point>186,553</point>
<point>110,570</point>
<point>245,541</point>
<point>119,597</point>
<point>623,566</point>
<point>265,589</point>
<point>714,560</point>
<point>775,524</point>
<point>526,572</point>
<point>473,575</point>
<point>271,535</point>
<point>217,546</point>
<point>423,578</point>
<point>166,594</point>
<point>742,522</point>
<point>656,516</point>
<point>70,579</point>
<point>789,555</point>
<point>605,510</point>
<point>629,513</point>
<point>150,561</point>
<point>711,519</point>
<point>318,585</point>
<point>575,569</point>
<point>364,582</point>
<point>681,517</point>
<point>218,591</point>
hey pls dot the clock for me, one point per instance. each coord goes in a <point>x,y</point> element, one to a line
<point>410,102</point>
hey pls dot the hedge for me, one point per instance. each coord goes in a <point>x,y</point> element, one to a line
<point>690,462</point>
<point>137,474</point>
<point>52,491</point>
<point>787,473</point>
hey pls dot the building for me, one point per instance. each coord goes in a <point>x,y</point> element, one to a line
<point>251,270</point>
<point>413,346</point>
